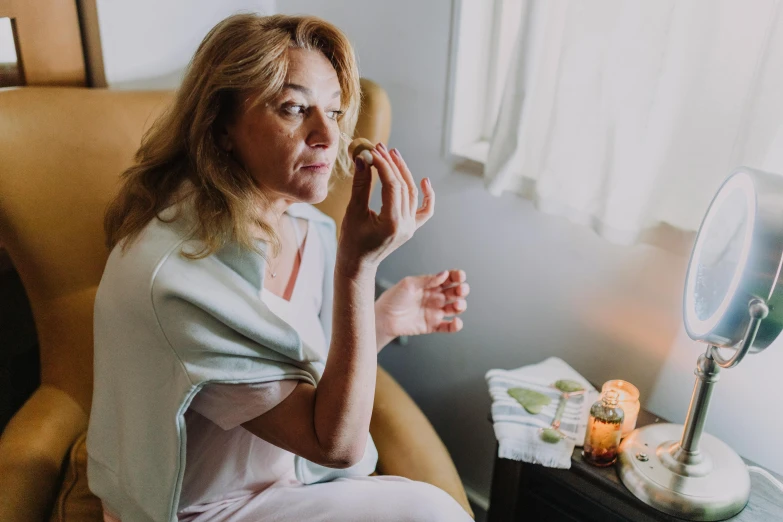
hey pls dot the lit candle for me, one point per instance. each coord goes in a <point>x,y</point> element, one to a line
<point>628,401</point>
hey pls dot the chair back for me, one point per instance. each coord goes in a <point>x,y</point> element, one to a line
<point>61,153</point>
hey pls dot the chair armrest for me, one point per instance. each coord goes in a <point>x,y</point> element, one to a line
<point>408,445</point>
<point>33,447</point>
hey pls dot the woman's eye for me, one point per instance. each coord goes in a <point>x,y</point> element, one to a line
<point>294,110</point>
<point>301,110</point>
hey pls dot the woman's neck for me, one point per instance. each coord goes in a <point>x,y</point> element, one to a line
<point>273,214</point>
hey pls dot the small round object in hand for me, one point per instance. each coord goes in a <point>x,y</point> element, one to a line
<point>361,147</point>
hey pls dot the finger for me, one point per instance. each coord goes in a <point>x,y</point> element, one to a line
<point>390,186</point>
<point>413,192</point>
<point>435,301</point>
<point>457,307</point>
<point>452,326</point>
<point>461,290</point>
<point>435,280</point>
<point>457,276</point>
<point>404,199</point>
<point>428,204</point>
<point>362,184</point>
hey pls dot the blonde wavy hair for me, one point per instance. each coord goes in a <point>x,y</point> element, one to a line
<point>244,55</point>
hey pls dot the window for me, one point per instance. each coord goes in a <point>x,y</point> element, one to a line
<point>483,34</point>
<point>627,114</point>
<point>10,73</point>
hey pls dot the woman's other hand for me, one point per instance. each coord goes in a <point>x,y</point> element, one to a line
<point>367,237</point>
<point>420,304</point>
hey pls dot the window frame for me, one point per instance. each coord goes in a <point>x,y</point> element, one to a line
<point>473,95</point>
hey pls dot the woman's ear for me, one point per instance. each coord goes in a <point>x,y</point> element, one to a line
<point>224,139</point>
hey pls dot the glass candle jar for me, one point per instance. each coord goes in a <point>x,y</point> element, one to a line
<point>604,428</point>
<point>628,400</point>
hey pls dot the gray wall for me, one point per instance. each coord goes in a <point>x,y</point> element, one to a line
<point>540,285</point>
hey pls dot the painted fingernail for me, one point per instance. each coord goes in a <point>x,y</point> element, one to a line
<point>360,164</point>
<point>396,152</point>
<point>381,146</point>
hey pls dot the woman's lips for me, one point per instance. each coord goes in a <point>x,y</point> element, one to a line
<point>317,168</point>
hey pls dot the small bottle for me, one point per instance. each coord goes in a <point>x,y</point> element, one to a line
<point>604,430</point>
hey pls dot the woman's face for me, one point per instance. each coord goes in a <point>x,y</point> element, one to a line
<point>290,144</point>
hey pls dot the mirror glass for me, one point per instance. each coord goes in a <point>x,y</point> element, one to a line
<point>720,254</point>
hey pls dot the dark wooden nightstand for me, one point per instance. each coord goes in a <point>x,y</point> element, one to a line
<point>585,493</point>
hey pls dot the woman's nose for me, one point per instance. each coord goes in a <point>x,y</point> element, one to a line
<point>323,131</point>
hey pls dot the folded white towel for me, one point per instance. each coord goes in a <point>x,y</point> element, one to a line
<point>519,432</point>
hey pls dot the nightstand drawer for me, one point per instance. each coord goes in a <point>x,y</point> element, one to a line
<point>559,496</point>
<point>542,510</point>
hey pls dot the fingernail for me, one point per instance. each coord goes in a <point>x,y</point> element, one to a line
<point>360,164</point>
<point>381,146</point>
<point>428,182</point>
<point>396,152</point>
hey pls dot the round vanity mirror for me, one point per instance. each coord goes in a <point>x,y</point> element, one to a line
<point>731,300</point>
<point>736,259</point>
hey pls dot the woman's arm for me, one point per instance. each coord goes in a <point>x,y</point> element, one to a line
<point>329,424</point>
<point>324,424</point>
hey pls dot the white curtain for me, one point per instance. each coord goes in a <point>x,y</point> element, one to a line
<point>622,115</point>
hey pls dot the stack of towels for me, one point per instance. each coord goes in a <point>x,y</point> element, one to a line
<point>525,403</point>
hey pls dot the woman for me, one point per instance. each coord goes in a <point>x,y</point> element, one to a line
<point>214,397</point>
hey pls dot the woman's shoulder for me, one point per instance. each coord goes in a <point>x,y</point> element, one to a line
<point>154,242</point>
<point>158,257</point>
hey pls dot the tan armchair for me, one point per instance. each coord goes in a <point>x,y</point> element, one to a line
<point>61,151</point>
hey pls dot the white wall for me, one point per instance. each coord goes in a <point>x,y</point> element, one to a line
<point>148,43</point>
<point>539,285</point>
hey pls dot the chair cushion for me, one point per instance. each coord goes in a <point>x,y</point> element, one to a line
<point>75,502</point>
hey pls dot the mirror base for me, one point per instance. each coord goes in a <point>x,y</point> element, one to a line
<point>688,491</point>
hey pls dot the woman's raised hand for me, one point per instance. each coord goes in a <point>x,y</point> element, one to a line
<point>368,237</point>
